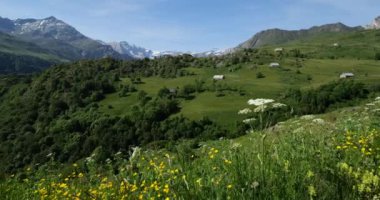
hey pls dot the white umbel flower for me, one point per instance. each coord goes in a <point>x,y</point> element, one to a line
<point>278,105</point>
<point>247,121</point>
<point>260,108</point>
<point>259,102</point>
<point>245,111</point>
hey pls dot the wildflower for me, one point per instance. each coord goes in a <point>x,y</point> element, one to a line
<point>343,166</point>
<point>80,175</point>
<point>309,174</point>
<point>311,191</point>
<point>260,108</point>
<point>42,191</point>
<point>259,102</point>
<point>227,161</point>
<point>75,165</point>
<point>338,147</point>
<point>135,153</point>
<point>245,111</point>
<point>133,188</point>
<point>278,105</point>
<point>254,185</point>
<point>63,185</point>
<point>247,121</point>
<point>166,189</point>
<point>229,186</point>
<point>199,181</point>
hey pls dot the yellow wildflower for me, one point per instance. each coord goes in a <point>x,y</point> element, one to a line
<point>311,190</point>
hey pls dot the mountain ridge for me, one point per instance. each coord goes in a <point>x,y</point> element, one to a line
<point>59,37</point>
<point>279,36</point>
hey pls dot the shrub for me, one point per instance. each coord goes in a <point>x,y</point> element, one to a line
<point>260,75</point>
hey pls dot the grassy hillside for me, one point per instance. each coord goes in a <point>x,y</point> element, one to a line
<point>243,85</point>
<point>362,44</point>
<point>18,56</point>
<point>329,156</point>
<point>305,63</point>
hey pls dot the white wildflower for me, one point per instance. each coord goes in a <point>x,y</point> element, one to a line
<point>278,105</point>
<point>254,185</point>
<point>244,111</point>
<point>135,153</point>
<point>89,160</point>
<point>370,104</point>
<point>259,102</point>
<point>247,121</point>
<point>260,108</point>
<point>377,99</point>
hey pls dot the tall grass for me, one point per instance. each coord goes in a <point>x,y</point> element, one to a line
<point>304,158</point>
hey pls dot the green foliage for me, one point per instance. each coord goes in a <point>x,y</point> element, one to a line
<point>377,56</point>
<point>260,75</point>
<point>325,97</point>
<point>317,158</point>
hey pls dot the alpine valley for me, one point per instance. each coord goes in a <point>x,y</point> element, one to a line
<point>286,114</point>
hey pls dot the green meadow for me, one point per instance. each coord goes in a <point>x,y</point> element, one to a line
<point>223,109</point>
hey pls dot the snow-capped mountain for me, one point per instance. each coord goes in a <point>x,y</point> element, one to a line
<point>58,37</point>
<point>124,48</point>
<point>49,27</point>
<point>375,24</point>
<point>213,52</point>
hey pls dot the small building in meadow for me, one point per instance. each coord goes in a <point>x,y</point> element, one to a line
<point>347,75</point>
<point>274,64</point>
<point>218,77</point>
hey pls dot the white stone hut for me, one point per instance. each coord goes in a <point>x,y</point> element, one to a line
<point>218,77</point>
<point>274,64</point>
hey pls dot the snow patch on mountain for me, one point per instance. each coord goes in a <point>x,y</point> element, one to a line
<point>375,24</point>
<point>134,51</point>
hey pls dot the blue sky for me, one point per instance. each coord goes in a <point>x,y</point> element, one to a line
<point>190,25</point>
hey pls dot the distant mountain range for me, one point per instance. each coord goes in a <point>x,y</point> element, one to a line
<point>33,44</point>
